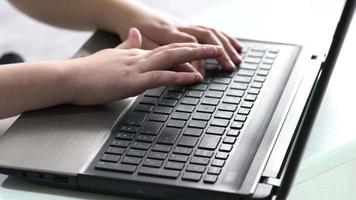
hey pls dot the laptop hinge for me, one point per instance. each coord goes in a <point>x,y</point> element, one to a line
<point>272,181</point>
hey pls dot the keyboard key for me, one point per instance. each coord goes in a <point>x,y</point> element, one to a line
<point>144,108</point>
<point>222,155</point>
<point>157,155</point>
<point>233,132</point>
<point>242,79</point>
<point>183,150</point>
<point>149,100</point>
<point>204,153</point>
<point>176,123</point>
<point>239,86</point>
<point>131,160</point>
<point>115,150</point>
<point>136,153</point>
<point>259,48</point>
<point>269,62</point>
<point>145,138</point>
<point>235,93</point>
<point>199,87</point>
<point>179,89</point>
<point>178,158</point>
<point>168,102</point>
<point>257,54</point>
<point>243,72</point>
<point>202,116</point>
<point>231,100</point>
<point>206,108</point>
<point>248,66</point>
<point>220,122</point>
<point>218,87</point>
<point>161,148</point>
<point>237,125</point>
<point>140,145</point>
<point>210,101</point>
<point>252,60</point>
<point>163,110</point>
<point>185,108</point>
<point>181,116</point>
<point>197,124</point>
<point>190,176</point>
<point>210,178</point>
<point>247,104</point>
<point>193,93</point>
<point>266,66</point>
<point>116,167</point>
<point>225,147</point>
<point>209,142</point>
<point>151,128</point>
<point>214,170</point>
<point>128,128</point>
<point>214,130</point>
<point>152,163</point>
<point>125,136</point>
<point>257,85</point>
<point>135,118</point>
<point>200,160</point>
<point>187,141</point>
<point>166,173</point>
<point>260,79</point>
<point>193,132</point>
<point>243,111</point>
<point>222,80</point>
<point>228,107</point>
<point>241,118</point>
<point>110,158</point>
<point>214,94</point>
<point>174,165</point>
<point>156,92</point>
<point>224,114</point>
<point>218,163</point>
<point>173,95</point>
<point>120,143</point>
<point>195,168</point>
<point>229,140</point>
<point>190,101</point>
<point>168,136</point>
<point>250,97</point>
<point>158,117</point>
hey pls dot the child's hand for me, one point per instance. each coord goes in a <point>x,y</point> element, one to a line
<point>126,71</point>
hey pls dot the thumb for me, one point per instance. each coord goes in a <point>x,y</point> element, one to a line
<point>134,40</point>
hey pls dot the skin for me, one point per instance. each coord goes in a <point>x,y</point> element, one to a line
<point>144,60</point>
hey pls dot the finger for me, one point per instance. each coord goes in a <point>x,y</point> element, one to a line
<point>231,51</point>
<point>134,40</point>
<point>237,44</point>
<point>148,44</point>
<point>208,37</point>
<point>184,67</point>
<point>177,37</point>
<point>171,57</point>
<point>199,65</point>
<point>154,79</point>
<point>173,46</point>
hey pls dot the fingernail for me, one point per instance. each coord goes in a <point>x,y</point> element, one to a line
<point>200,76</point>
<point>230,64</point>
<point>237,59</point>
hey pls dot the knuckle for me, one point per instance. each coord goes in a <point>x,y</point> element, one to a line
<point>207,33</point>
<point>174,45</point>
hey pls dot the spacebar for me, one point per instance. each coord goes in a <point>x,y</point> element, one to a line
<point>159,172</point>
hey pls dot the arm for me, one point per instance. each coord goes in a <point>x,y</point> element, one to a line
<point>103,77</point>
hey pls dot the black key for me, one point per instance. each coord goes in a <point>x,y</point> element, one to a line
<point>151,128</point>
<point>197,124</point>
<point>192,93</point>
<point>136,153</point>
<point>224,114</point>
<point>193,132</point>
<point>235,93</point>
<point>253,91</point>
<point>163,110</point>
<point>140,145</point>
<point>173,95</point>
<point>210,101</point>
<point>166,173</point>
<point>185,108</point>
<point>206,79</point>
<point>220,122</point>
<point>190,101</point>
<point>248,66</point>
<point>241,118</point>
<point>228,107</point>
<point>155,92</point>
<point>183,150</point>
<point>250,97</point>
<point>158,117</point>
<point>260,79</point>
<point>181,116</point>
<point>200,160</point>
<point>243,72</point>
<point>120,143</point>
<point>233,132</point>
<point>110,158</point>
<point>161,148</point>
<point>199,87</point>
<point>225,147</point>
<point>195,168</point>
<point>116,167</point>
<point>176,123</point>
<point>214,170</point>
<point>145,138</point>
<point>130,129</point>
<point>179,89</point>
<point>135,118</point>
<point>237,125</point>
<point>157,155</point>
<point>125,136</point>
<point>215,130</point>
<point>209,142</point>
<point>229,140</point>
<point>210,178</point>
<point>144,108</point>
<point>231,100</point>
<point>187,141</point>
<point>204,153</point>
<point>217,87</point>
<point>242,79</point>
<point>239,86</point>
<point>243,111</point>
<point>149,100</point>
<point>174,165</point>
<point>191,176</point>
<point>168,135</point>
<point>152,163</point>
<point>214,94</point>
<point>247,104</point>
<point>178,158</point>
<point>222,80</point>
<point>168,102</point>
<point>218,163</point>
<point>206,109</point>
<point>131,160</point>
<point>225,74</point>
<point>202,116</point>
<point>257,85</point>
<point>115,150</point>
<point>222,155</point>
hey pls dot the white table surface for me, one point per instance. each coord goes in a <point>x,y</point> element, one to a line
<point>327,168</point>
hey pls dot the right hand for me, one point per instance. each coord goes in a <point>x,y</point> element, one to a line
<point>126,70</point>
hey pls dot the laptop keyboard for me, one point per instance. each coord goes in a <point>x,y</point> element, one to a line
<point>188,132</point>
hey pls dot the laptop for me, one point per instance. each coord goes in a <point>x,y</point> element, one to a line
<point>234,136</point>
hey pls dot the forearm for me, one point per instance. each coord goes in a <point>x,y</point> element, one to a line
<point>31,86</point>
